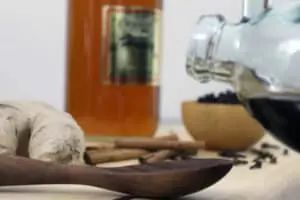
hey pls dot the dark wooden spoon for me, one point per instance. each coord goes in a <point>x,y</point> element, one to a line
<point>165,179</point>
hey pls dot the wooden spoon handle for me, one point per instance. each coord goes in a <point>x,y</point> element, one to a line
<point>23,171</point>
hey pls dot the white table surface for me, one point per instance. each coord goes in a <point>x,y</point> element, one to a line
<point>272,182</point>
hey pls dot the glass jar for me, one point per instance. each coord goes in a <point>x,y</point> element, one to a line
<point>113,66</point>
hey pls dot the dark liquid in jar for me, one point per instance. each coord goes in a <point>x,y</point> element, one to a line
<point>279,116</point>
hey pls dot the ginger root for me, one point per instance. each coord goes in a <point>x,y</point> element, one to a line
<point>52,135</point>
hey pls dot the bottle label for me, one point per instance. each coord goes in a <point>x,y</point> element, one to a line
<point>131,47</point>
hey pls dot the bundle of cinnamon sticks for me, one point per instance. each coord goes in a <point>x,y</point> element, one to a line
<point>146,150</point>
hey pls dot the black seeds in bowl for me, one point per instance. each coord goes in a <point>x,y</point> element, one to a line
<point>227,97</point>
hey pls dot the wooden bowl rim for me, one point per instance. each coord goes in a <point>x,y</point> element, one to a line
<point>211,104</point>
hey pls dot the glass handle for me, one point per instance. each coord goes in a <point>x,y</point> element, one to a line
<point>253,8</point>
<point>203,45</point>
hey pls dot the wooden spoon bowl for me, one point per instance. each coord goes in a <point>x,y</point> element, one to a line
<point>165,179</point>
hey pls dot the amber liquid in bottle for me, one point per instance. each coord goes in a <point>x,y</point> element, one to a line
<point>104,104</point>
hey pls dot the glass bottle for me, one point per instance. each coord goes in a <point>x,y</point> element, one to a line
<point>113,66</point>
<point>260,58</point>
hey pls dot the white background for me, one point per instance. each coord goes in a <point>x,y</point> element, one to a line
<point>32,50</point>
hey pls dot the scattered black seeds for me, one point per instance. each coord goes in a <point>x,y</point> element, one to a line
<point>232,154</point>
<point>285,152</point>
<point>256,151</point>
<point>269,155</point>
<point>263,154</point>
<point>273,160</point>
<point>239,162</point>
<point>257,165</point>
<point>269,146</point>
<point>258,159</point>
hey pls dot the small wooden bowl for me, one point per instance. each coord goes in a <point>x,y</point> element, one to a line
<point>221,126</point>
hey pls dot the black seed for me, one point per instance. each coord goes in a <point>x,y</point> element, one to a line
<point>261,153</point>
<point>257,165</point>
<point>285,152</point>
<point>273,160</point>
<point>258,159</point>
<point>231,154</point>
<point>239,162</point>
<point>269,146</point>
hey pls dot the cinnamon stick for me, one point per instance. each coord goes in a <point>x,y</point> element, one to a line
<point>158,156</point>
<point>157,144</point>
<point>99,146</point>
<point>171,136</point>
<point>112,155</point>
<point>101,152</point>
<point>110,145</point>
